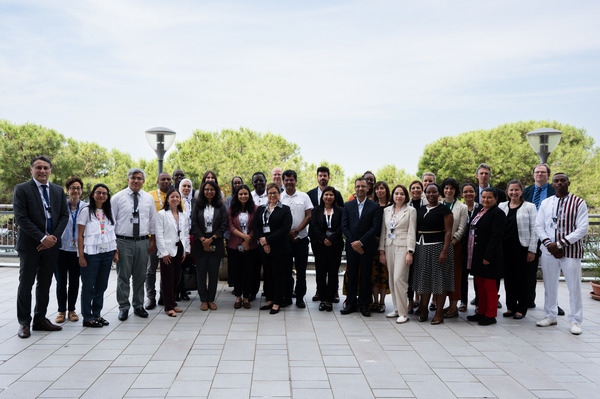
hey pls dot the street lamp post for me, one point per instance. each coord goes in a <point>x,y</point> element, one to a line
<point>544,141</point>
<point>160,140</point>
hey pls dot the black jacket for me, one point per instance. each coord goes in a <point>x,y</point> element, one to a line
<point>488,244</point>
<point>219,227</point>
<point>280,224</point>
<point>318,228</point>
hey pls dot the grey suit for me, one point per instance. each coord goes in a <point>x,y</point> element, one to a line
<point>31,219</point>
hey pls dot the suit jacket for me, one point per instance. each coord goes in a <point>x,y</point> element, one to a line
<point>168,235</point>
<point>219,226</point>
<point>530,191</point>
<point>526,215</point>
<point>313,194</point>
<point>488,244</point>
<point>31,216</point>
<point>366,228</point>
<point>405,228</point>
<point>234,223</point>
<point>501,195</point>
<point>280,224</point>
<point>459,211</point>
<point>318,228</point>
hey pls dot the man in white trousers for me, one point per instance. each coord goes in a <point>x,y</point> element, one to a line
<point>561,225</point>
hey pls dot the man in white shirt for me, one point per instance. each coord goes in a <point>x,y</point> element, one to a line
<point>133,211</point>
<point>259,195</point>
<point>276,177</point>
<point>561,225</point>
<point>301,206</point>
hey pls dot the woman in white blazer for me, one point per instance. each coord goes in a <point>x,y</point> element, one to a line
<point>172,245</point>
<point>520,245</point>
<point>396,248</point>
<point>450,190</point>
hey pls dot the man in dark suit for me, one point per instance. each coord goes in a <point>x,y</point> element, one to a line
<point>323,181</point>
<point>361,223</point>
<point>41,213</point>
<point>484,174</point>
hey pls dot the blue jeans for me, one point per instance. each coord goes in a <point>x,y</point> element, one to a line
<point>94,279</point>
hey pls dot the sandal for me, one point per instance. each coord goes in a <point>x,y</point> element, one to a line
<point>171,313</point>
<point>381,308</point>
<point>462,307</point>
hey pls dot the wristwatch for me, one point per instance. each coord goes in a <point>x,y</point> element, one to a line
<point>558,245</point>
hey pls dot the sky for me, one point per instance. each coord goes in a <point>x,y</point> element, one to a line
<point>358,83</point>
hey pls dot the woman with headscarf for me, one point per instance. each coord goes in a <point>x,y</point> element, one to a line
<point>187,203</point>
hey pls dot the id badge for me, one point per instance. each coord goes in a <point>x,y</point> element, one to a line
<point>135,220</point>
<point>472,232</point>
<point>328,233</point>
<point>266,229</point>
<point>553,225</point>
<point>240,248</point>
<point>391,236</point>
<point>102,247</point>
<point>213,248</point>
<point>73,243</point>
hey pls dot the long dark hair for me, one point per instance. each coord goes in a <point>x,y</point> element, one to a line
<point>387,192</point>
<point>236,206</point>
<point>205,175</point>
<point>166,206</point>
<point>325,190</point>
<point>106,208</point>
<point>217,201</point>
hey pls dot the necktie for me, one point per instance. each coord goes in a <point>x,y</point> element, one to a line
<point>136,216</point>
<point>47,209</point>
<point>536,197</point>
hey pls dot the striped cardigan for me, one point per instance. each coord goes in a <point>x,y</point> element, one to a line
<point>563,220</point>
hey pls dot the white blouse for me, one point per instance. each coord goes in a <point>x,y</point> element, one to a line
<point>94,240</point>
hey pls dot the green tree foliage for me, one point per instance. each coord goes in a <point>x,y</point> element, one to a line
<point>388,173</point>
<point>507,151</point>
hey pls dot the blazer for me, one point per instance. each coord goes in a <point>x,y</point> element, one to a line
<point>405,229</point>
<point>459,225</point>
<point>501,195</point>
<point>526,215</point>
<point>198,230</point>
<point>530,191</point>
<point>30,214</point>
<point>280,224</point>
<point>318,228</point>
<point>314,193</point>
<point>168,235</point>
<point>366,228</point>
<point>234,223</point>
<point>488,244</point>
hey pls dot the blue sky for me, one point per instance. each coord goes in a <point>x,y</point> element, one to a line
<point>360,83</point>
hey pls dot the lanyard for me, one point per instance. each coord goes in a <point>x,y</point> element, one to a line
<point>559,210</point>
<point>450,204</point>
<point>393,221</point>
<point>243,218</point>
<point>479,215</point>
<point>328,218</point>
<point>74,217</point>
<point>266,216</point>
<point>160,199</point>
<point>209,215</point>
<point>102,221</point>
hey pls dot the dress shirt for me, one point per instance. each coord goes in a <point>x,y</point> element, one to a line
<point>68,235</point>
<point>543,194</point>
<point>93,237</point>
<point>260,199</point>
<point>122,209</point>
<point>299,203</point>
<point>360,206</point>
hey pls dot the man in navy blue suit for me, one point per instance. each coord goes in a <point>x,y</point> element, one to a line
<point>361,224</point>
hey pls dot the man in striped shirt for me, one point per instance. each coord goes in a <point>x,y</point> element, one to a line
<point>561,225</point>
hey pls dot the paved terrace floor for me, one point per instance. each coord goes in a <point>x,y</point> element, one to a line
<point>297,354</point>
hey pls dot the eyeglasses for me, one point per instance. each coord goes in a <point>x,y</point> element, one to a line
<point>136,178</point>
<point>273,193</point>
<point>361,186</point>
<point>101,194</point>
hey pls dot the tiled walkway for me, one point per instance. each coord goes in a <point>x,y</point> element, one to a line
<point>298,353</point>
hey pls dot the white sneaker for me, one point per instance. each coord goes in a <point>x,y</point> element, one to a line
<point>546,322</point>
<point>391,315</point>
<point>404,319</point>
<point>575,329</point>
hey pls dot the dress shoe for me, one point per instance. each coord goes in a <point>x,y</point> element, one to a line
<point>212,306</point>
<point>365,312</point>
<point>322,307</point>
<point>246,305</point>
<point>60,317</point>
<point>475,317</point>
<point>336,299</point>
<point>328,307</point>
<point>45,325</point>
<point>560,311</point>
<point>103,321</point>
<point>508,314</point>
<point>423,317</point>
<point>92,323</point>
<point>123,314</point>
<point>316,298</point>
<point>402,319</point>
<point>161,301</point>
<point>184,296</point>
<point>237,304</point>
<point>575,329</point>
<point>266,307</point>
<point>204,306</point>
<point>348,310</point>
<point>150,304</point>
<point>24,331</point>
<point>487,321</point>
<point>518,316</point>
<point>392,315</point>
<point>300,303</point>
<point>546,322</point>
<point>274,311</point>
<point>73,316</point>
<point>140,312</point>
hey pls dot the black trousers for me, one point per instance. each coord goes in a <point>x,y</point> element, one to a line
<point>299,259</point>
<point>327,265</point>
<point>35,265</point>
<point>207,264</point>
<point>67,269</point>
<point>359,267</point>
<point>242,266</point>
<point>276,275</point>
<point>515,276</point>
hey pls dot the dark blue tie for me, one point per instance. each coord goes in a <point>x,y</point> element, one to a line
<point>47,209</point>
<point>536,197</point>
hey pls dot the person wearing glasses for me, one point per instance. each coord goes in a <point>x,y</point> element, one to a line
<point>67,268</point>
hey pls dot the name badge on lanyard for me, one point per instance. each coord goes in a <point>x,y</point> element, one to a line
<point>391,236</point>
<point>266,229</point>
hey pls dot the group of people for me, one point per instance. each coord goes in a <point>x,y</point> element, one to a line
<point>413,243</point>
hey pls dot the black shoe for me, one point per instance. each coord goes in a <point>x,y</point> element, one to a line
<point>184,296</point>
<point>508,314</point>
<point>322,306</point>
<point>92,323</point>
<point>24,331</point>
<point>274,311</point>
<point>336,299</point>
<point>316,298</point>
<point>487,321</point>
<point>103,321</point>
<point>300,303</point>
<point>432,307</point>
<point>329,307</point>
<point>560,311</point>
<point>475,317</point>
<point>499,305</point>
<point>348,310</point>
<point>161,302</point>
<point>123,314</point>
<point>365,312</point>
<point>45,325</point>
<point>518,316</point>
<point>266,307</point>
<point>150,304</point>
<point>140,312</point>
